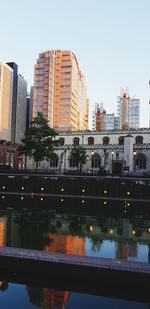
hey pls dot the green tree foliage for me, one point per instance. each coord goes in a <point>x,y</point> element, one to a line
<point>39,141</point>
<point>78,155</point>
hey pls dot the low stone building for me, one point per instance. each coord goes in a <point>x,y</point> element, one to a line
<point>112,152</point>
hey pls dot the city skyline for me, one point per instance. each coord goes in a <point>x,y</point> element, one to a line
<point>109,38</point>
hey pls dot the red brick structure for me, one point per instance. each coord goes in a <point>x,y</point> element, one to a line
<point>9,156</point>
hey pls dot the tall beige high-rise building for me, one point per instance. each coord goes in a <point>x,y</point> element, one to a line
<point>6,80</point>
<point>59,91</point>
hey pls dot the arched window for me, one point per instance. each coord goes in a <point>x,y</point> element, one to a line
<point>76,141</point>
<point>53,160</point>
<point>139,140</point>
<point>117,156</point>
<point>140,161</point>
<point>90,140</point>
<point>121,140</point>
<point>95,160</point>
<point>105,140</point>
<point>61,141</point>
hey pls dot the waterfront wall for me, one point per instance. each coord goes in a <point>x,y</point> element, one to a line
<point>82,186</point>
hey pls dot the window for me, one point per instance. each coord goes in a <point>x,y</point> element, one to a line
<point>61,141</point>
<point>39,80</point>
<point>64,73</point>
<point>64,99</point>
<point>140,161</point>
<point>139,140</point>
<point>117,156</point>
<point>105,140</point>
<point>39,69</point>
<point>40,74</point>
<point>66,60</point>
<point>90,141</point>
<point>121,140</point>
<point>64,92</point>
<point>66,66</point>
<point>54,160</point>
<point>76,141</point>
<point>95,160</point>
<point>39,87</point>
<point>64,86</point>
<point>65,79</point>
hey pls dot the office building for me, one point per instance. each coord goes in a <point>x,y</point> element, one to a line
<point>109,121</point>
<point>98,117</point>
<point>128,111</point>
<point>14,67</point>
<point>18,110</point>
<point>59,91</point>
<point>6,84</point>
<point>21,108</point>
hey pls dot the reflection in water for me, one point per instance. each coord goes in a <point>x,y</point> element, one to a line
<point>124,236</point>
<point>47,298</point>
<point>121,238</point>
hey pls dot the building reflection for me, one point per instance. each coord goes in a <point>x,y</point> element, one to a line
<point>47,298</point>
<point>3,230</point>
<point>73,234</point>
<point>66,244</point>
<point>70,234</point>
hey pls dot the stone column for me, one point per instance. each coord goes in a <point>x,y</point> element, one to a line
<point>128,152</point>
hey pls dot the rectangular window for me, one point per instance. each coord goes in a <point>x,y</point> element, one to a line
<point>64,92</point>
<point>64,73</point>
<point>39,87</point>
<point>66,66</point>
<point>39,80</point>
<point>40,74</point>
<point>66,60</point>
<point>39,69</point>
<point>64,86</point>
<point>64,99</point>
<point>65,79</point>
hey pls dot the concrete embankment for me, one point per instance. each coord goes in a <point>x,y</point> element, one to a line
<point>90,274</point>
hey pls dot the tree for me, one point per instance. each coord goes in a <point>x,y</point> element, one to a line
<point>78,156</point>
<point>39,141</point>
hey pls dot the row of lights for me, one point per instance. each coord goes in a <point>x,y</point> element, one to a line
<point>62,190</point>
<point>127,204</point>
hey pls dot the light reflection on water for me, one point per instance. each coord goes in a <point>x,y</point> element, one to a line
<point>119,236</point>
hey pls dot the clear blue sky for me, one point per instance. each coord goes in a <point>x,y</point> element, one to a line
<point>111,40</point>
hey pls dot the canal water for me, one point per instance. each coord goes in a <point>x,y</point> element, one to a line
<point>101,228</point>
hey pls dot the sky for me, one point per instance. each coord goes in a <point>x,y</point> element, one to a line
<point>110,38</point>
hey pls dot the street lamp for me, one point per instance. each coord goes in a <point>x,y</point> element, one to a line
<point>112,163</point>
<point>134,155</point>
<point>65,160</point>
<point>92,160</point>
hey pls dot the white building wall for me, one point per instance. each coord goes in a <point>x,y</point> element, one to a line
<point>123,154</point>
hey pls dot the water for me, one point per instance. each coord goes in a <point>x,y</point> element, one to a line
<point>124,235</point>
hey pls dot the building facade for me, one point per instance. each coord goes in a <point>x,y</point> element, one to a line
<point>98,117</point>
<point>59,91</point>
<point>6,84</point>
<point>110,152</point>
<point>128,111</point>
<point>21,109</point>
<point>14,67</point>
